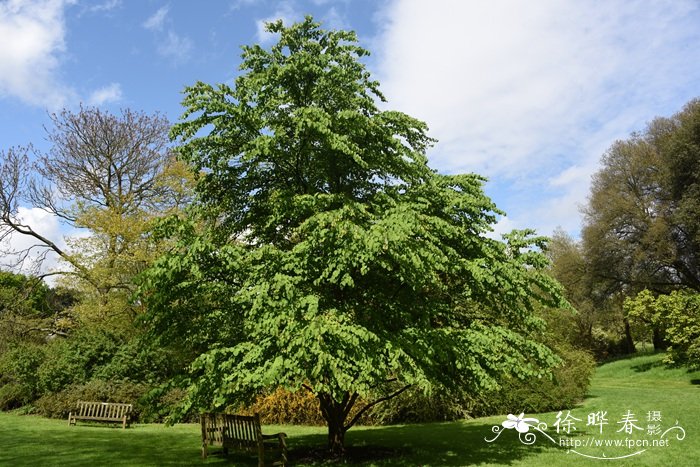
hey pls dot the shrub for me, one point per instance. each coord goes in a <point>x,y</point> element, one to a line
<point>161,402</point>
<point>59,404</point>
<point>677,312</point>
<point>136,363</point>
<point>302,408</point>
<point>12,396</point>
<point>683,331</point>
<point>18,375</point>
<point>606,344</point>
<point>284,407</point>
<point>74,360</point>
<point>566,388</point>
<point>414,406</point>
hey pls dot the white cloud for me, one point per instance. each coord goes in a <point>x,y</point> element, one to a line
<point>285,11</point>
<point>106,95</point>
<point>156,21</point>
<point>105,6</point>
<point>175,47</point>
<point>33,41</point>
<point>503,226</point>
<point>333,19</point>
<point>533,92</point>
<point>238,4</point>
<point>50,227</point>
<point>328,2</point>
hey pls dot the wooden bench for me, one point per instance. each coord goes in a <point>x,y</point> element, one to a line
<point>101,412</point>
<point>241,432</point>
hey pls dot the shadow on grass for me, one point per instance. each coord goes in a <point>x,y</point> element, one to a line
<point>445,444</point>
<point>695,382</point>
<point>641,368</point>
<point>627,356</point>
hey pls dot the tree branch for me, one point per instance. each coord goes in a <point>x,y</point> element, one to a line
<point>50,330</point>
<point>372,404</point>
<point>27,230</point>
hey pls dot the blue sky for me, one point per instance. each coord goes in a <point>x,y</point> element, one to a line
<point>529,94</point>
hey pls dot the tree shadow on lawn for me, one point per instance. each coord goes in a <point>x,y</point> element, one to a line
<point>642,367</point>
<point>436,444</point>
<point>445,444</point>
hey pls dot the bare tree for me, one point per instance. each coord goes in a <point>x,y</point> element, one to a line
<point>103,172</point>
<point>103,160</point>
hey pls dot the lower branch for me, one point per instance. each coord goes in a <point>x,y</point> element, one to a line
<point>8,222</point>
<point>373,403</point>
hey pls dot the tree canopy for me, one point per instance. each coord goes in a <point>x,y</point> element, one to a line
<point>642,227</point>
<point>323,253</point>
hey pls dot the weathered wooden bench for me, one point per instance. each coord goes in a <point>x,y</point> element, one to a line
<point>101,412</point>
<point>241,432</point>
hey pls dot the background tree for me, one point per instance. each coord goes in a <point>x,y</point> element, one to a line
<point>641,226</point>
<point>598,325</point>
<point>678,313</point>
<point>109,174</point>
<point>23,307</point>
<point>568,266</point>
<point>323,253</point>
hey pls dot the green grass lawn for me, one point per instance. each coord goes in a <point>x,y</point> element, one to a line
<point>640,385</point>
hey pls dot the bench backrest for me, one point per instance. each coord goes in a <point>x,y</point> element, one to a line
<point>107,410</point>
<point>226,429</point>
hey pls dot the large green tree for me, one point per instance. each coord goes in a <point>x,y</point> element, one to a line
<point>322,252</point>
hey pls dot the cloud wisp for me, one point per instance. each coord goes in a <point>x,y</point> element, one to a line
<point>156,21</point>
<point>170,45</point>
<point>531,94</point>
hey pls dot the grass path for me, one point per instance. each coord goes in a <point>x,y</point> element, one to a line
<point>639,385</point>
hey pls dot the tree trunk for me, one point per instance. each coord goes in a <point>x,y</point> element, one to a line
<point>658,339</point>
<point>336,438</point>
<point>629,341</point>
<point>335,414</point>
